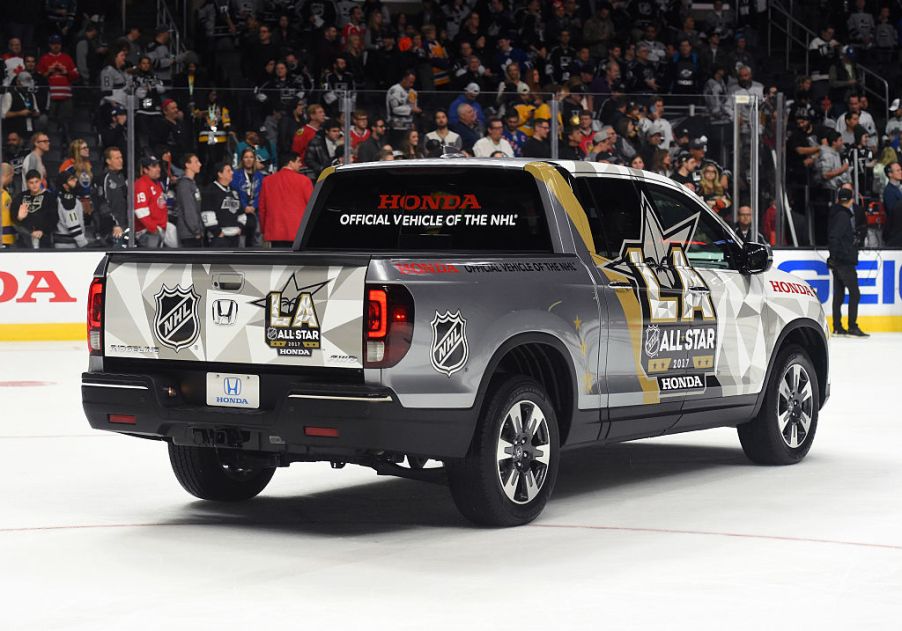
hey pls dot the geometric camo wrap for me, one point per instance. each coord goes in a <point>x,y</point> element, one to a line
<point>248,314</point>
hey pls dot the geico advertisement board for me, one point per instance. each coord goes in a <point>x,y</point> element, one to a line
<point>879,279</point>
<point>43,295</point>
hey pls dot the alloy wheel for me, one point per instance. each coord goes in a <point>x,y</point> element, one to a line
<point>523,452</point>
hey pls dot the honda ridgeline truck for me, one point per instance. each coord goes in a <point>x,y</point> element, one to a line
<point>481,315</point>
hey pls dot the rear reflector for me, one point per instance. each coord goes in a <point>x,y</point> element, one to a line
<point>126,419</point>
<point>375,352</point>
<point>323,432</point>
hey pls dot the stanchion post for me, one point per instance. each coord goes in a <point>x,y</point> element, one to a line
<point>737,147</point>
<point>346,106</point>
<point>130,162</point>
<point>780,166</point>
<point>754,139</point>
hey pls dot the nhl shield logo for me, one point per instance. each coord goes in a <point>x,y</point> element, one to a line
<point>449,342</point>
<point>652,340</point>
<point>175,323</point>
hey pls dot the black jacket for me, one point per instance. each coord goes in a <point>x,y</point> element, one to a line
<point>317,157</point>
<point>368,150</point>
<point>746,235</point>
<point>533,148</point>
<point>111,197</point>
<point>892,203</point>
<point>841,235</point>
<point>42,215</point>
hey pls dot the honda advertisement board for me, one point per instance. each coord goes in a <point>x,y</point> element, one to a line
<point>43,295</point>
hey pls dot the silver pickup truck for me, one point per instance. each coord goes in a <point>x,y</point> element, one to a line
<point>481,315</point>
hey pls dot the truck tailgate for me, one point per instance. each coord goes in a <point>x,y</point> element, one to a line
<point>235,309</point>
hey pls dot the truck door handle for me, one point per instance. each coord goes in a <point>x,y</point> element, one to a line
<point>620,285</point>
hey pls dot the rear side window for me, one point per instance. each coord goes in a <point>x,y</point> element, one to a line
<point>458,208</point>
<point>614,212</point>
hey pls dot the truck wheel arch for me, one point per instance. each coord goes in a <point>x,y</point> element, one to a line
<point>542,357</point>
<point>808,334</point>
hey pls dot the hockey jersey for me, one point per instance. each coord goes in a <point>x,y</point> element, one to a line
<point>150,204</point>
<point>221,211</point>
<point>6,221</point>
<point>70,225</point>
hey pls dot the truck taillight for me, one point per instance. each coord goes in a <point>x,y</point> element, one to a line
<point>376,314</point>
<point>95,316</point>
<point>389,325</point>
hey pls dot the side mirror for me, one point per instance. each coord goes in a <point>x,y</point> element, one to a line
<point>758,257</point>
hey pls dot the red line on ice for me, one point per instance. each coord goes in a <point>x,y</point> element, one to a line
<point>741,535</point>
<point>26,384</point>
<point>667,531</point>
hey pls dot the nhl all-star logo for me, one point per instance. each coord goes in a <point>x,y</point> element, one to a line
<point>652,340</point>
<point>176,323</point>
<point>449,342</point>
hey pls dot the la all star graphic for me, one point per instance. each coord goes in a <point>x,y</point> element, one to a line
<point>450,350</point>
<point>292,325</point>
<point>678,316</point>
<point>176,323</point>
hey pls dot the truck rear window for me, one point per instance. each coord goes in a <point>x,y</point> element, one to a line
<point>430,209</point>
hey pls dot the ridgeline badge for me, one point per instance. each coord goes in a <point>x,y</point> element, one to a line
<point>175,322</point>
<point>449,342</point>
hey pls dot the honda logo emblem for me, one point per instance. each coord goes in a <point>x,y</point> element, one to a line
<point>225,312</point>
<point>231,386</point>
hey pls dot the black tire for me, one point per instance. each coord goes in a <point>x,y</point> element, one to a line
<point>763,440</point>
<point>202,473</point>
<point>476,480</point>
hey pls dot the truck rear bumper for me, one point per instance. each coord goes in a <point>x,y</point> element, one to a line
<point>358,419</point>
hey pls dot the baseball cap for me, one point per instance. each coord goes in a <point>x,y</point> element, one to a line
<point>657,127</point>
<point>472,88</point>
<point>118,110</point>
<point>149,161</point>
<point>25,79</point>
<point>55,39</point>
<point>64,176</point>
<point>844,195</point>
<point>680,132</point>
<point>602,135</point>
<point>166,103</point>
<point>522,89</point>
<point>698,143</point>
<point>894,105</point>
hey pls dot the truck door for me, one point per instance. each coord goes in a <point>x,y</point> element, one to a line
<point>720,315</point>
<point>638,305</point>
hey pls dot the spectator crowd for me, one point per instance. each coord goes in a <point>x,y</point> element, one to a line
<point>231,135</point>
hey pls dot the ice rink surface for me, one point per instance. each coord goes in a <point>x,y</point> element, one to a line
<point>674,533</point>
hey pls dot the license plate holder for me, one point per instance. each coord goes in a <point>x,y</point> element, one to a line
<point>233,390</point>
